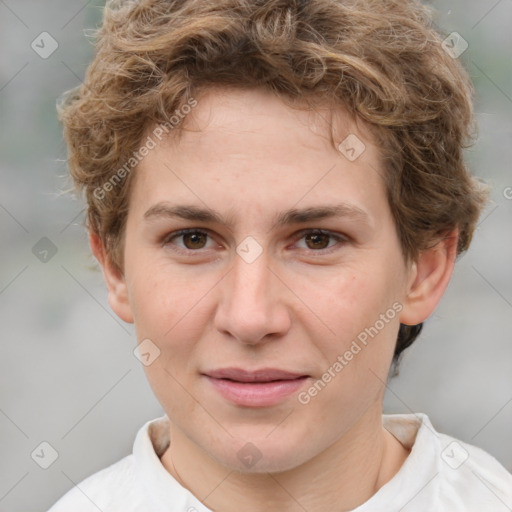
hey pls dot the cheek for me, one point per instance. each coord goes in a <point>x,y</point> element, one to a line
<point>361,311</point>
<point>347,300</point>
<point>168,310</point>
<point>165,300</point>
<point>356,360</point>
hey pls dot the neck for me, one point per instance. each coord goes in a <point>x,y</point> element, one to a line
<point>348,473</point>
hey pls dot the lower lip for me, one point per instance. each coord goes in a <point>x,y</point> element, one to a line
<point>256,394</point>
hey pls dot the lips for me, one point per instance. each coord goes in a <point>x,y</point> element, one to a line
<point>263,375</point>
<point>257,388</point>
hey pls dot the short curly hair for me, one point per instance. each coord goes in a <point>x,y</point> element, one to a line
<point>384,62</point>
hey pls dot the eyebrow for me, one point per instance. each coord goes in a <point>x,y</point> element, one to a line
<point>292,216</point>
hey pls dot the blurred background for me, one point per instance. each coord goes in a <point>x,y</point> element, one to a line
<point>68,376</point>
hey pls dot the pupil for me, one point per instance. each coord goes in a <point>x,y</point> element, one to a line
<point>319,240</point>
<point>194,240</point>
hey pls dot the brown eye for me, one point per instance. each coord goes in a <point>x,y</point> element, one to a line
<point>320,241</point>
<point>317,240</point>
<point>189,240</point>
<point>195,240</point>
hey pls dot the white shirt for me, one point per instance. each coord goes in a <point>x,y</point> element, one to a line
<point>440,474</point>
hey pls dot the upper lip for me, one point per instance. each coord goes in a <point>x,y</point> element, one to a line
<point>261,375</point>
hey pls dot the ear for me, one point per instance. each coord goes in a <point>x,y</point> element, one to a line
<point>116,284</point>
<point>429,277</point>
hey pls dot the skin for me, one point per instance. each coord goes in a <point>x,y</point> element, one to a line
<point>248,156</point>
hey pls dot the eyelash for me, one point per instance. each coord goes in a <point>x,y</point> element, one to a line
<point>167,240</point>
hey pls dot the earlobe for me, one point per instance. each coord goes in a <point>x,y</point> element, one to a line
<point>116,284</point>
<point>429,277</point>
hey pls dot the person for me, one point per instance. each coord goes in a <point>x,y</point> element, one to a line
<point>277,195</point>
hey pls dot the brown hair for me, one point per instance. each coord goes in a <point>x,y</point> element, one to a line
<point>383,61</point>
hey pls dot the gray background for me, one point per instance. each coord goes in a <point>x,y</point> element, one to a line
<point>67,372</point>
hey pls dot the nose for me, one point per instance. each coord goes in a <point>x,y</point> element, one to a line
<point>252,306</point>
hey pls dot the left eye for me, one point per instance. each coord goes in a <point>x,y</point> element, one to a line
<point>318,240</point>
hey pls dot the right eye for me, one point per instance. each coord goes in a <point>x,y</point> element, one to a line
<point>188,240</point>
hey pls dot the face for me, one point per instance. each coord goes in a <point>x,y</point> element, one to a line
<point>265,266</point>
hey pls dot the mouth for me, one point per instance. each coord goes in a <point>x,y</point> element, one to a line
<point>258,388</point>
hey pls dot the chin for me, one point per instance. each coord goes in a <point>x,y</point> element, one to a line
<point>260,454</point>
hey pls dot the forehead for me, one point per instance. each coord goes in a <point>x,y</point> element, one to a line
<point>273,119</point>
<point>250,147</point>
